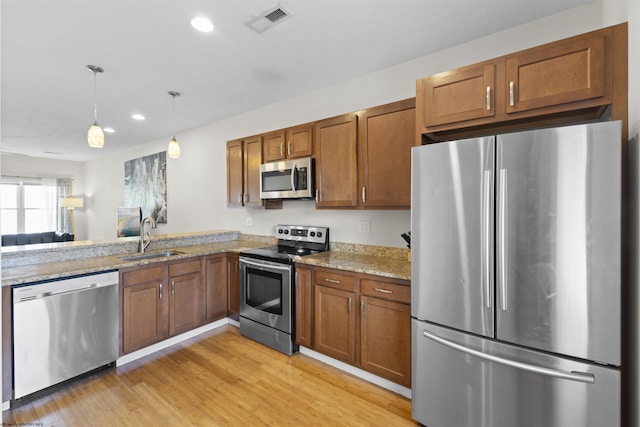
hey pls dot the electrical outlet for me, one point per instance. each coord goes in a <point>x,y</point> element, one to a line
<point>249,222</point>
<point>364,227</point>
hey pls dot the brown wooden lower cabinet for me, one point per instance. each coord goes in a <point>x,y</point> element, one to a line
<point>334,323</point>
<point>216,283</point>
<point>233,280</point>
<point>303,307</point>
<point>385,339</point>
<point>360,319</point>
<point>159,302</point>
<point>186,301</point>
<point>142,293</point>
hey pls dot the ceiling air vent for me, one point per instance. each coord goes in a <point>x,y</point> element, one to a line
<point>268,19</point>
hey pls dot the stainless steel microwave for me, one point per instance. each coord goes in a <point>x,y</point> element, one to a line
<point>288,179</point>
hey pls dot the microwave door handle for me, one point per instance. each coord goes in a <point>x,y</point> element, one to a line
<point>293,178</point>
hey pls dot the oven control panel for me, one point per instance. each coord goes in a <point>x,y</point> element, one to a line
<point>302,233</point>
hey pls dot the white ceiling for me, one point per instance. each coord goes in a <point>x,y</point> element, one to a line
<point>147,48</point>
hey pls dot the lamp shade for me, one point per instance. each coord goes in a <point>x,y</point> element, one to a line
<point>71,202</point>
<point>174,148</point>
<point>95,136</point>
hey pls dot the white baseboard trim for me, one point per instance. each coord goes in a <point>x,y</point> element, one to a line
<point>127,358</point>
<point>6,406</point>
<point>368,376</point>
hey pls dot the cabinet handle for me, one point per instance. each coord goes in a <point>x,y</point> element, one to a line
<point>173,287</point>
<point>364,195</point>
<point>384,291</point>
<point>363,309</point>
<point>316,196</point>
<point>511,94</point>
<point>332,280</point>
<point>239,198</point>
<point>160,286</point>
<point>350,304</point>
<point>488,98</point>
<point>289,148</point>
<point>281,149</point>
<point>245,198</point>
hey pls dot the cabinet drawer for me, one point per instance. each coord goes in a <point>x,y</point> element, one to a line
<point>184,267</point>
<point>386,290</point>
<point>335,280</point>
<point>143,275</point>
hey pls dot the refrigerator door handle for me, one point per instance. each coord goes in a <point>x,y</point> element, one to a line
<point>502,233</point>
<point>487,185</point>
<point>572,376</point>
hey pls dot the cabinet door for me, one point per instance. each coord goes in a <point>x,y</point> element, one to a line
<point>274,146</point>
<point>336,166</point>
<point>186,309</point>
<point>142,319</point>
<point>300,141</point>
<point>459,95</point>
<point>303,307</point>
<point>385,339</point>
<point>233,283</point>
<point>563,72</point>
<point>235,174</point>
<point>385,137</point>
<point>215,268</point>
<point>252,161</point>
<point>334,323</point>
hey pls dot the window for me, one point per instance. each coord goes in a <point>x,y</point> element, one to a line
<point>27,206</point>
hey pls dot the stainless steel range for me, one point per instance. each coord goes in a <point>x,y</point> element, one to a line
<point>267,285</point>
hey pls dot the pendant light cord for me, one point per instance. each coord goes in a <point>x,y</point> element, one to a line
<point>95,98</point>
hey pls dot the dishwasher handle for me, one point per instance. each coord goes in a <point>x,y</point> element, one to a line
<point>61,287</point>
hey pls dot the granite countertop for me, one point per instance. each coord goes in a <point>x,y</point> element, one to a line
<point>55,269</point>
<point>385,262</point>
<point>42,263</point>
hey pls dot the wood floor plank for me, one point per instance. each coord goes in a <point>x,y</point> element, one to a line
<point>217,379</point>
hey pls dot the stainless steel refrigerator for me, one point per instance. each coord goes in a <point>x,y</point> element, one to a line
<point>515,279</point>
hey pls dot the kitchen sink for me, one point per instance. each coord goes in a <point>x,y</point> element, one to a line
<point>150,255</point>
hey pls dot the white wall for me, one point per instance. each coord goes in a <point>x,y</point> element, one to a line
<point>51,168</point>
<point>197,181</point>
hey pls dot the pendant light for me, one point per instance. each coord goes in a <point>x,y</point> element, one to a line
<point>95,136</point>
<point>174,147</point>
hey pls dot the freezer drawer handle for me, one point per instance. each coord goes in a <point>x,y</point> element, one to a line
<point>582,377</point>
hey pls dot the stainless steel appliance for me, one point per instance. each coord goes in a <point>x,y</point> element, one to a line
<point>516,279</point>
<point>267,285</point>
<point>288,179</point>
<point>62,329</point>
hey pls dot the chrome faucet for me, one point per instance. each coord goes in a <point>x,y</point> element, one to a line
<point>144,243</point>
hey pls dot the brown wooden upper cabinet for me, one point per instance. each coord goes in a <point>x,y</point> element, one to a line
<point>385,136</point>
<point>244,157</point>
<point>565,80</point>
<point>460,95</point>
<point>288,143</point>
<point>336,162</point>
<point>363,160</point>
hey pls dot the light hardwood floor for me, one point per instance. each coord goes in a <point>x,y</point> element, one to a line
<point>217,379</point>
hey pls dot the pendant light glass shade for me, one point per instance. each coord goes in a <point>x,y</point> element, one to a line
<point>95,136</point>
<point>174,148</point>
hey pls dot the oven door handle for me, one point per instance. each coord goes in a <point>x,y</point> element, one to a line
<point>262,265</point>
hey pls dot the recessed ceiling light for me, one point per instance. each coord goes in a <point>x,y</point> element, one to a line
<point>137,117</point>
<point>201,23</point>
<point>108,130</point>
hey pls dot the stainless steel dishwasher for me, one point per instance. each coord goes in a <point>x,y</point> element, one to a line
<point>62,329</point>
